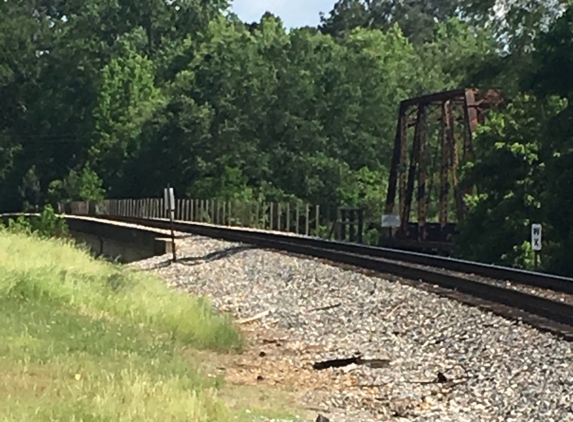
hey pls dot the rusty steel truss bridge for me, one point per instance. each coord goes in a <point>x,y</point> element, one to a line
<point>433,142</point>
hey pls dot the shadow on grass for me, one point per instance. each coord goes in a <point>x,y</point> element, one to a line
<point>210,257</point>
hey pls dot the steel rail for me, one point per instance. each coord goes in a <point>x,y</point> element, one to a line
<point>530,278</point>
<point>496,272</point>
<point>391,262</point>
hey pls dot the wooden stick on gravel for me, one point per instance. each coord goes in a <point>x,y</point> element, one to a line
<point>325,308</point>
<point>395,307</point>
<point>254,317</point>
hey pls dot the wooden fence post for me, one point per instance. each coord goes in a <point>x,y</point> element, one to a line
<point>317,219</point>
<point>307,222</point>
<point>297,217</point>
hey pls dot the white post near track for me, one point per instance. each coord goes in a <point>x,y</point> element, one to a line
<point>169,201</point>
<point>536,243</point>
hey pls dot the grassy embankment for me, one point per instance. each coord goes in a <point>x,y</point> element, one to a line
<point>85,340</point>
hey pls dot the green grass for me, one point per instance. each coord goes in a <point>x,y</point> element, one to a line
<point>86,340</point>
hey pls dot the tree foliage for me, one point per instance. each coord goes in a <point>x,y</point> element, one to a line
<point>417,19</point>
<point>524,163</point>
<point>551,76</point>
<point>509,172</point>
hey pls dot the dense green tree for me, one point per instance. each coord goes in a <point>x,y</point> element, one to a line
<point>417,19</point>
<point>517,23</point>
<point>84,185</point>
<point>551,76</point>
<point>22,37</point>
<point>127,98</point>
<point>455,56</point>
<point>523,164</point>
<point>509,173</point>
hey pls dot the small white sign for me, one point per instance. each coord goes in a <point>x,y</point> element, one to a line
<point>390,220</point>
<point>169,199</point>
<point>536,237</point>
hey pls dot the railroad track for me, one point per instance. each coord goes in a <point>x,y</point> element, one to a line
<point>542,300</point>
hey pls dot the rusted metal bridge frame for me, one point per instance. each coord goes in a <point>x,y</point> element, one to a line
<point>404,171</point>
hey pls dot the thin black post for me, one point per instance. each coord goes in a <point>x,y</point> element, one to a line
<point>343,224</point>
<point>352,222</point>
<point>338,223</point>
<point>360,224</point>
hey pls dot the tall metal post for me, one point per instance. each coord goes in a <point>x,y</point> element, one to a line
<point>445,163</point>
<point>170,205</point>
<point>422,172</point>
<point>414,161</point>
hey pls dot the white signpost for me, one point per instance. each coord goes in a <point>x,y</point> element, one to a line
<point>536,242</point>
<point>169,199</point>
<point>169,203</point>
<point>536,237</point>
<point>390,220</point>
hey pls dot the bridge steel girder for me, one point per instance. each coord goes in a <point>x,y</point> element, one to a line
<point>410,165</point>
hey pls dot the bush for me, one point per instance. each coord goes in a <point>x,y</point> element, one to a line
<point>47,224</point>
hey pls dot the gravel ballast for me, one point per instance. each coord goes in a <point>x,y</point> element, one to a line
<point>448,361</point>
